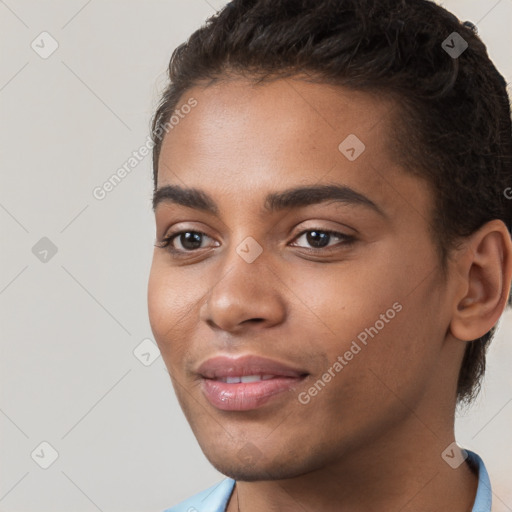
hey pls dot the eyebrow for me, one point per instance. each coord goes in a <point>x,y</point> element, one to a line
<point>276,201</point>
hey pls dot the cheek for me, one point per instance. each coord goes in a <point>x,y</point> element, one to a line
<point>170,305</point>
<point>396,361</point>
<point>372,383</point>
<point>344,300</point>
<point>385,327</point>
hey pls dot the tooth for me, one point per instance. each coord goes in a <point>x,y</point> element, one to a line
<point>246,378</point>
<point>250,378</point>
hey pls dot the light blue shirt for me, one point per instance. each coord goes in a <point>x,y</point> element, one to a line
<point>216,497</point>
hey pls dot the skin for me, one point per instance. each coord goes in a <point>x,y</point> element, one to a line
<point>372,438</point>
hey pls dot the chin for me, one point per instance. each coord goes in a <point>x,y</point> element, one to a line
<point>240,466</point>
<point>243,473</point>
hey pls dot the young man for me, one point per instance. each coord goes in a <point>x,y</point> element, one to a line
<point>333,251</point>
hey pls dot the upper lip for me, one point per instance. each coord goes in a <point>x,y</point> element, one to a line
<point>225,366</point>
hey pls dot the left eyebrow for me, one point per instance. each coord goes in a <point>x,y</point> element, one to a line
<point>297,197</point>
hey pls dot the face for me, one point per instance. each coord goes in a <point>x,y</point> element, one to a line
<point>344,286</point>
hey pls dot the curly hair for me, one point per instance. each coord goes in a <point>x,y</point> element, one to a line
<point>452,124</point>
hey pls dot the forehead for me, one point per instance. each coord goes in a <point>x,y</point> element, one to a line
<point>243,138</point>
<point>301,117</point>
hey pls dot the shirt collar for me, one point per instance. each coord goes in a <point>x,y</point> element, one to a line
<point>483,499</point>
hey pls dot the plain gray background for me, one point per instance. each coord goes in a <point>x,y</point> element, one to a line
<point>70,324</point>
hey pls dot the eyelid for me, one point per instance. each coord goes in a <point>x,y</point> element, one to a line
<point>178,228</point>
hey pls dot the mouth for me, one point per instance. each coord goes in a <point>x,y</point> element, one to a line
<point>246,383</point>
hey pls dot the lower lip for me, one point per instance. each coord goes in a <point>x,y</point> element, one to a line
<point>244,396</point>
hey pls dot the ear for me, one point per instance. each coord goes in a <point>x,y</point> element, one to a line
<point>484,272</point>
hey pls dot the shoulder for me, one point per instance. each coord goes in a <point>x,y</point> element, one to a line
<point>213,499</point>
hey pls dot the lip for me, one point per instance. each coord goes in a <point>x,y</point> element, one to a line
<point>225,366</point>
<point>244,396</point>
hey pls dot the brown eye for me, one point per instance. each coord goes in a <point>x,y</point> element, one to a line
<point>188,240</point>
<point>320,238</point>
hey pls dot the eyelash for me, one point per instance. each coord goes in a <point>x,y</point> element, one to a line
<point>166,243</point>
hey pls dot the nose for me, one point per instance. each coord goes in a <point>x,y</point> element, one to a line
<point>247,294</point>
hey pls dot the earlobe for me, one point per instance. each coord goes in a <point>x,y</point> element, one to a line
<point>485,268</point>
